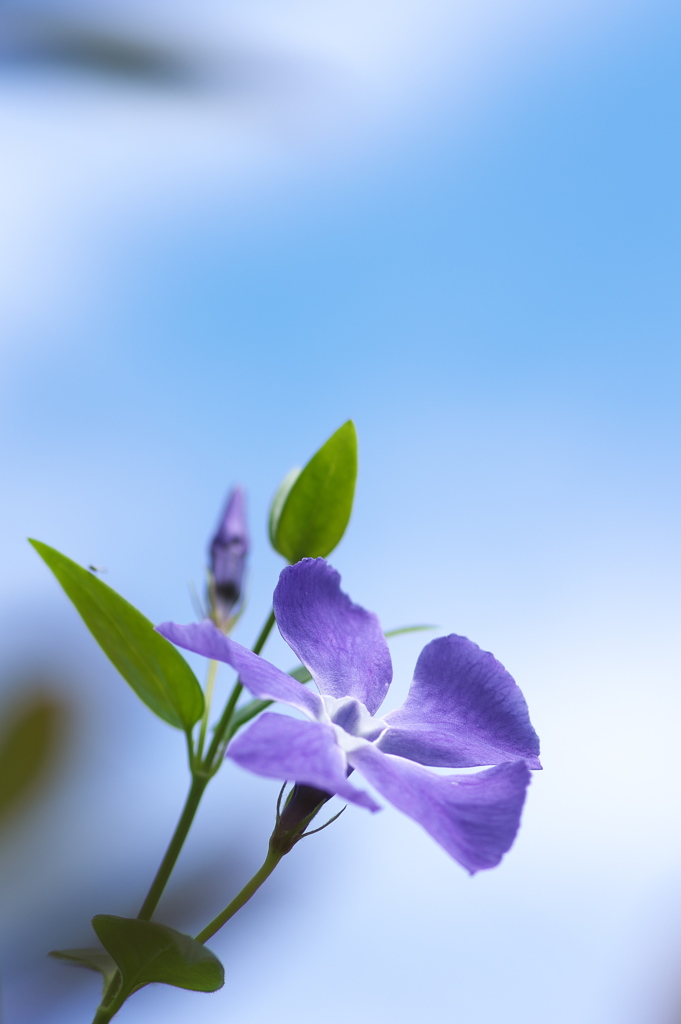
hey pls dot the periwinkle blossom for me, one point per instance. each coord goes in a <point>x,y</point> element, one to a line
<point>463,710</point>
<point>228,553</point>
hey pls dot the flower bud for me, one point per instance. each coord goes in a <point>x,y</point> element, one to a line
<point>228,553</point>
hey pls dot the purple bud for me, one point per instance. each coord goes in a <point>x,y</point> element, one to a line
<point>228,552</point>
<point>303,803</point>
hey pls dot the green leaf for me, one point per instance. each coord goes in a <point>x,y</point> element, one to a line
<point>28,744</point>
<point>279,500</point>
<point>147,952</point>
<point>405,629</point>
<point>157,672</point>
<point>92,959</point>
<point>310,512</point>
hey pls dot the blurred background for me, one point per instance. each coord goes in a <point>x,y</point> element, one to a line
<point>228,227</point>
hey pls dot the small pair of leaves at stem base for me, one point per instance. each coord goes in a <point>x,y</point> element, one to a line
<point>155,670</point>
<point>143,952</point>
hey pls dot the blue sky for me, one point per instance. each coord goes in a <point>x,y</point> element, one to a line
<point>483,272</point>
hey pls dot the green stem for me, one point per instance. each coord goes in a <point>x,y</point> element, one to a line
<point>200,780</point>
<point>199,783</point>
<point>211,762</point>
<point>264,633</point>
<point>243,897</point>
<point>104,1014</point>
<point>107,1010</point>
<point>210,685</point>
<point>223,725</point>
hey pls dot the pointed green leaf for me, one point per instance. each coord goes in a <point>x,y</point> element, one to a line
<point>405,629</point>
<point>28,743</point>
<point>92,959</point>
<point>310,515</point>
<point>279,500</point>
<point>157,672</point>
<point>149,952</point>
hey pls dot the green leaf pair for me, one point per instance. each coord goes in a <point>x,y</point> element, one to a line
<point>312,507</point>
<point>155,670</point>
<point>143,952</point>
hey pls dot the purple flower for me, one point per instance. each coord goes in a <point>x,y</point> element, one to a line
<point>228,551</point>
<point>463,710</point>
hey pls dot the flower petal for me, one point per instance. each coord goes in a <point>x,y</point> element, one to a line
<point>259,676</point>
<point>474,817</point>
<point>463,709</point>
<point>340,643</point>
<point>286,748</point>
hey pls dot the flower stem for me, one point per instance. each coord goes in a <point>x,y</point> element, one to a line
<point>210,686</point>
<point>104,1014</point>
<point>243,897</point>
<point>112,1000</point>
<point>200,779</point>
<point>223,725</point>
<point>199,783</point>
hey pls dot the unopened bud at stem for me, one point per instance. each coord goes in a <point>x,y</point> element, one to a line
<point>228,554</point>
